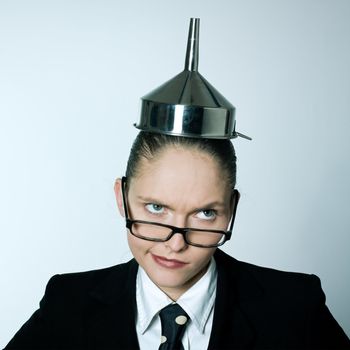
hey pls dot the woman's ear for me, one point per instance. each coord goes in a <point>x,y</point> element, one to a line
<point>119,196</point>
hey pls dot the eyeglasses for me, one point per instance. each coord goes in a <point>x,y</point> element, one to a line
<point>157,232</point>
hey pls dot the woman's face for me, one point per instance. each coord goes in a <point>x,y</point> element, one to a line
<point>183,188</point>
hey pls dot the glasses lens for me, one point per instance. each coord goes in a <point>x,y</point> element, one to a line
<point>151,231</point>
<point>205,238</point>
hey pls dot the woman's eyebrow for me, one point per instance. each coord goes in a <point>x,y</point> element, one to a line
<point>211,205</point>
<point>151,200</point>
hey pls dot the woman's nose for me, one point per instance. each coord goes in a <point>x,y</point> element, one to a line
<point>176,243</point>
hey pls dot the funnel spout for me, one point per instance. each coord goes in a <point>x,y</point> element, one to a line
<point>191,62</point>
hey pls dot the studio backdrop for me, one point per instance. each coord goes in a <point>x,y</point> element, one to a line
<point>71,77</point>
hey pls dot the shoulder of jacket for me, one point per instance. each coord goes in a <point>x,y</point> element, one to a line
<point>272,281</point>
<point>86,279</point>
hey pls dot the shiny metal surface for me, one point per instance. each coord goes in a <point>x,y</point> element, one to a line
<point>192,53</point>
<point>188,105</point>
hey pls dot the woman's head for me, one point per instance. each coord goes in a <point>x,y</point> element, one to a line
<point>183,183</point>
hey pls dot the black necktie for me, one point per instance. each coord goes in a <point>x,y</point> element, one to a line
<point>173,319</point>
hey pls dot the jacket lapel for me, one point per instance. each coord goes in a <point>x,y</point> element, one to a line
<point>110,322</point>
<point>237,294</point>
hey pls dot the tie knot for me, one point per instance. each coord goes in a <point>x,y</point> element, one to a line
<point>173,319</point>
<point>174,313</point>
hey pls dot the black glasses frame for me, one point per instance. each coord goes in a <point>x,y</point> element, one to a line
<point>181,230</point>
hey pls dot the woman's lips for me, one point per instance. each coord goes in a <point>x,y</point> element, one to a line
<point>168,263</point>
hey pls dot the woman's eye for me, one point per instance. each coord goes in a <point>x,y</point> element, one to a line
<point>207,214</point>
<point>155,208</point>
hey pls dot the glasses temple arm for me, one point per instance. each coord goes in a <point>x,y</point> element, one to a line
<point>235,199</point>
<point>123,185</point>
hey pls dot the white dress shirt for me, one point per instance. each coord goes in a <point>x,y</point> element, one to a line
<point>198,302</point>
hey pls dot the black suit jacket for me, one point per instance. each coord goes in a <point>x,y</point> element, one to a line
<point>255,308</point>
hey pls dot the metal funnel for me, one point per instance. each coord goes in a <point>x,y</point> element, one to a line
<point>188,105</point>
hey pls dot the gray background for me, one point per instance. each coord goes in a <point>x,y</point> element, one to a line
<point>71,75</point>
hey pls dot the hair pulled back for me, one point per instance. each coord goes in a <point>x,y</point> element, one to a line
<point>148,145</point>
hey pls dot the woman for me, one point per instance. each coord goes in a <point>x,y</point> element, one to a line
<point>180,291</point>
<point>178,182</point>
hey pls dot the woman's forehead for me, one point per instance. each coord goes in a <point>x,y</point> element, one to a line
<point>178,154</point>
<point>180,174</point>
<point>175,162</point>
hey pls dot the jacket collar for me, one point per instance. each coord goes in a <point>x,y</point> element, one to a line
<point>238,295</point>
<point>110,323</point>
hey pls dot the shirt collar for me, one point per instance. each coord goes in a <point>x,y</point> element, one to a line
<point>198,301</point>
<point>149,298</point>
